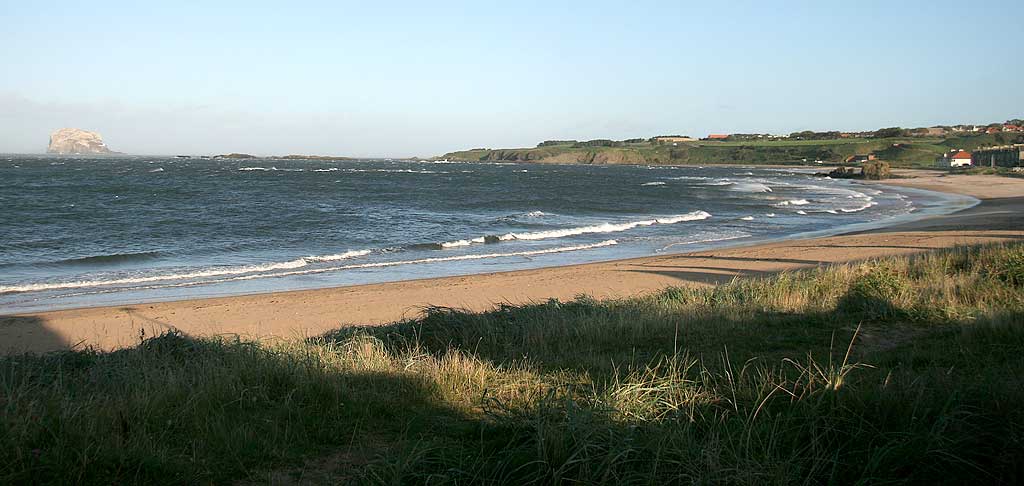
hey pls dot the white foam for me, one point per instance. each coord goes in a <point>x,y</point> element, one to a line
<point>770,215</point>
<point>266,267</point>
<point>158,169</point>
<point>750,187</point>
<point>438,260</point>
<point>688,178</point>
<point>861,208</point>
<point>331,169</point>
<point>794,202</point>
<point>706,240</point>
<point>272,168</point>
<point>801,212</point>
<point>694,216</point>
<point>747,218</point>
<point>340,256</point>
<point>604,228</point>
<point>456,244</point>
<point>536,214</point>
<point>369,265</point>
<point>653,184</point>
<point>241,270</point>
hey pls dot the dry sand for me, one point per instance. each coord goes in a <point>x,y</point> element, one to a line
<point>311,312</point>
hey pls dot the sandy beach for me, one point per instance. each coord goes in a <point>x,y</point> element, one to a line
<point>305,313</point>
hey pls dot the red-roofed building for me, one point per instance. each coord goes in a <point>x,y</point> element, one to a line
<point>955,158</point>
<point>716,136</point>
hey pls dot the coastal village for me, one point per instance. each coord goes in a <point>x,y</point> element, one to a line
<point>1008,155</point>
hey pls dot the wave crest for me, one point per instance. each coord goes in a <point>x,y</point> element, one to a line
<point>604,228</point>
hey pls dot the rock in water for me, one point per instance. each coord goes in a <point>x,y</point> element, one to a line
<point>76,141</point>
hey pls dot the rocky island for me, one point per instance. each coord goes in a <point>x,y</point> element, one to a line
<point>73,141</point>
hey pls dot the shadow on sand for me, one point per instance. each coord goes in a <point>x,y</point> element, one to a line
<point>19,334</point>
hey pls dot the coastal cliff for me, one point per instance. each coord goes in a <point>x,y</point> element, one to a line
<point>900,151</point>
<point>71,141</point>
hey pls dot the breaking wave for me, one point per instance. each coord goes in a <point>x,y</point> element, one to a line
<point>340,256</point>
<point>794,202</point>
<point>750,187</point>
<point>581,230</point>
<point>605,228</point>
<point>251,272</point>
<point>239,270</point>
<point>112,259</point>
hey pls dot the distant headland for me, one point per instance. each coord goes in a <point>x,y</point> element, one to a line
<point>901,147</point>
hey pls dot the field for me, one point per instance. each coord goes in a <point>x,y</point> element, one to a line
<point>889,371</point>
<point>900,152</point>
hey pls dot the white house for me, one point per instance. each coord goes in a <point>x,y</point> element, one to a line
<point>955,158</point>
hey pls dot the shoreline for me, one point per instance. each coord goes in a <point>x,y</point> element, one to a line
<point>303,313</point>
<point>951,203</point>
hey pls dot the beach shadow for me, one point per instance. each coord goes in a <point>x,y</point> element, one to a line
<point>267,403</point>
<point>746,259</point>
<point>709,275</point>
<point>22,334</point>
<point>886,247</point>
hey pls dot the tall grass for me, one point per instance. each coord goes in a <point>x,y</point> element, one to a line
<point>889,371</point>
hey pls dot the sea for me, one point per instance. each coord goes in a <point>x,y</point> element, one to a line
<point>81,231</point>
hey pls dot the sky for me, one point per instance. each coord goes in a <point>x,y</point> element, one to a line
<point>400,79</point>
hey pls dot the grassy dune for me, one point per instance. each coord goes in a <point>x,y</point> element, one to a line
<point>890,371</point>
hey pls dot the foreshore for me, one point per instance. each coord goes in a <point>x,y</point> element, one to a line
<point>297,314</point>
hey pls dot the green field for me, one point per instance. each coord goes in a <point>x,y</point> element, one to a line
<point>901,370</point>
<point>900,152</point>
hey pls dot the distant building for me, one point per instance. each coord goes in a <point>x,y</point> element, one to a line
<point>674,139</point>
<point>1002,156</point>
<point>955,158</point>
<point>1013,128</point>
<point>856,159</point>
<point>716,136</point>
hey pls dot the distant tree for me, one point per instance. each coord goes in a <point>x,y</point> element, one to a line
<point>811,135</point>
<point>1015,121</point>
<point>548,143</point>
<point>890,132</point>
<point>633,140</point>
<point>601,142</point>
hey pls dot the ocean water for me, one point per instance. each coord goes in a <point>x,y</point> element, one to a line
<point>78,231</point>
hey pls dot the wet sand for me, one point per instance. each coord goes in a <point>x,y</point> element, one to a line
<point>306,313</point>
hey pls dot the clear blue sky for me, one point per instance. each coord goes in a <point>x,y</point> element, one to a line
<point>403,79</point>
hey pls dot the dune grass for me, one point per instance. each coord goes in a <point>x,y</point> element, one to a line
<point>890,371</point>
